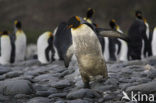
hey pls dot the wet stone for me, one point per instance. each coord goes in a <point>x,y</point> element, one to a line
<point>83,93</point>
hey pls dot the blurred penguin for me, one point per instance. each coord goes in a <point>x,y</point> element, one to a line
<point>89,15</point>
<point>118,48</point>
<point>136,35</point>
<point>20,42</point>
<point>154,42</point>
<point>45,50</point>
<point>147,50</point>
<point>89,19</point>
<point>5,48</point>
<point>63,43</point>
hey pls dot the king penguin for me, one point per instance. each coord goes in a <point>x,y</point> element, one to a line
<point>89,19</point>
<point>87,49</point>
<point>45,50</point>
<point>89,15</point>
<point>6,48</point>
<point>20,41</point>
<point>63,43</point>
<point>119,46</point>
<point>136,35</point>
<point>154,42</point>
<point>147,50</point>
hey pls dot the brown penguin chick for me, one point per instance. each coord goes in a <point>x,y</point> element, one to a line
<point>88,51</point>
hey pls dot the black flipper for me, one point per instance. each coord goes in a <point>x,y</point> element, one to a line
<point>50,48</point>
<point>13,47</point>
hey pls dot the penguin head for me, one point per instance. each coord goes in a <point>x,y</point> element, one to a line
<point>5,32</point>
<point>18,24</point>
<point>74,22</point>
<point>112,23</point>
<point>138,14</point>
<point>90,12</point>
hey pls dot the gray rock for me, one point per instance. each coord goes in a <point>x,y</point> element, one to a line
<point>111,81</point>
<point>3,98</point>
<point>4,70</point>
<point>83,93</point>
<point>22,96</point>
<point>43,93</point>
<point>13,74</point>
<point>45,77</point>
<point>61,95</point>
<point>123,86</point>
<point>36,71</point>
<point>145,87</point>
<point>38,87</point>
<point>59,102</point>
<point>78,101</point>
<point>14,86</point>
<point>152,74</point>
<point>39,100</point>
<point>108,97</point>
<point>2,77</point>
<point>104,87</point>
<point>61,84</point>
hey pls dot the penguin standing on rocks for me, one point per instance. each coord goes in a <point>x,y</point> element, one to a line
<point>20,41</point>
<point>154,42</point>
<point>63,43</point>
<point>136,34</point>
<point>88,19</point>
<point>114,43</point>
<point>5,48</point>
<point>147,51</point>
<point>87,49</point>
<point>118,48</point>
<point>45,49</point>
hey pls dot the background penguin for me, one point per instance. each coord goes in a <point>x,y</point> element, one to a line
<point>20,42</point>
<point>89,15</point>
<point>121,47</point>
<point>87,49</point>
<point>136,33</point>
<point>147,45</point>
<point>88,19</point>
<point>45,48</point>
<point>154,42</point>
<point>114,43</point>
<point>6,47</point>
<point>63,43</point>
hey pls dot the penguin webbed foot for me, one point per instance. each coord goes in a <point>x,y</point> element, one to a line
<point>66,64</point>
<point>86,85</point>
<point>52,59</point>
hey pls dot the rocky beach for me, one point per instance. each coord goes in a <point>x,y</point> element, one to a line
<point>31,82</point>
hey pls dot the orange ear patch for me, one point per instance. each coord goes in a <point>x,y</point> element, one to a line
<point>50,34</point>
<point>145,20</point>
<point>15,22</point>
<point>113,20</point>
<point>77,18</point>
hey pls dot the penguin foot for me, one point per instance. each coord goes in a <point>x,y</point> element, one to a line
<point>66,64</point>
<point>86,85</point>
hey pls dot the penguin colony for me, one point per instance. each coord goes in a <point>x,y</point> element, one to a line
<point>81,37</point>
